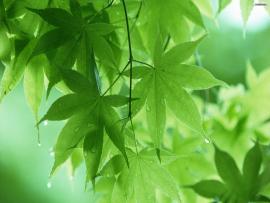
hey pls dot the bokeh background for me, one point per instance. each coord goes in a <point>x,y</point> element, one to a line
<point>25,166</point>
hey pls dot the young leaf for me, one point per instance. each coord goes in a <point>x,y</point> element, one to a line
<point>75,8</point>
<point>210,188</point>
<point>227,169</point>
<point>246,8</point>
<point>114,166</point>
<point>100,28</point>
<point>251,76</point>
<point>191,12</point>
<point>138,72</point>
<point>51,40</point>
<point>57,17</point>
<point>116,100</point>
<point>34,83</point>
<point>77,127</point>
<point>92,148</point>
<point>187,113</point>
<point>67,105</point>
<point>192,77</point>
<point>223,4</point>
<point>156,111</point>
<point>180,53</point>
<point>251,168</point>
<point>14,72</point>
<point>77,82</point>
<point>114,127</point>
<point>144,177</point>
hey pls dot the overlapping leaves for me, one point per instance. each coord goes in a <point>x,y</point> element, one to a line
<point>165,83</point>
<point>237,186</point>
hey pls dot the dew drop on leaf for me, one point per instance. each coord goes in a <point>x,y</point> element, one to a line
<point>39,144</point>
<point>207,141</point>
<point>51,152</point>
<point>45,123</point>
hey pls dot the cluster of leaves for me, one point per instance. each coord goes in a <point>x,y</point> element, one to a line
<point>236,187</point>
<point>112,60</point>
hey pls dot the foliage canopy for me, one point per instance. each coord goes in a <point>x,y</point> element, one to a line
<point>123,62</point>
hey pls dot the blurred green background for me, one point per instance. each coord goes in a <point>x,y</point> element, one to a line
<point>24,167</point>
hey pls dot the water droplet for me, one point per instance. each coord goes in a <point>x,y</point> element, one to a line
<point>71,177</point>
<point>148,108</point>
<point>39,144</point>
<point>45,123</point>
<point>49,184</point>
<point>207,141</point>
<point>51,152</point>
<point>93,150</point>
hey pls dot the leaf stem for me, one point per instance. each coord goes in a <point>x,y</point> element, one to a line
<point>141,62</point>
<point>116,79</point>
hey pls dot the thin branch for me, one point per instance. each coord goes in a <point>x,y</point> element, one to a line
<point>130,73</point>
<point>91,18</point>
<point>116,79</point>
<point>141,62</point>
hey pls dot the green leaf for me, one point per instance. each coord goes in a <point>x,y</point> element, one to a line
<point>209,188</point>
<point>77,82</point>
<point>116,100</point>
<point>92,148</point>
<point>67,105</point>
<point>145,176</point>
<point>228,170</point>
<point>262,198</point>
<point>180,53</point>
<point>76,160</point>
<point>251,168</point>
<point>102,49</point>
<point>74,131</point>
<point>140,91</point>
<point>75,8</point>
<point>51,40</point>
<point>58,17</point>
<point>223,4</point>
<point>192,77</point>
<point>191,12</point>
<point>14,71</point>
<point>182,105</point>
<point>246,8</point>
<point>100,28</point>
<point>156,110</point>
<point>114,128</point>
<point>34,83</point>
<point>114,166</point>
<point>138,72</point>
<point>251,76</point>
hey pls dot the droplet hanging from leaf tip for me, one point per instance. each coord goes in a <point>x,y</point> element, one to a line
<point>39,144</point>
